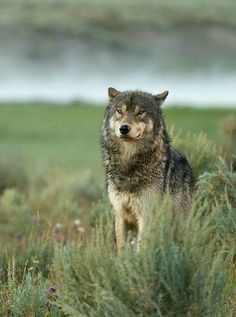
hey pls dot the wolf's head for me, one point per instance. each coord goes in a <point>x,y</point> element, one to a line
<point>134,116</point>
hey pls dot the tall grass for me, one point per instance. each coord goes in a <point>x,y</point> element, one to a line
<point>185,265</point>
<point>200,151</point>
<point>182,268</point>
<point>178,272</point>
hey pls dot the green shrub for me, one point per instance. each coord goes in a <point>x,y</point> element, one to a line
<point>16,215</point>
<point>199,150</point>
<point>24,281</point>
<point>32,255</point>
<point>229,143</point>
<point>217,187</point>
<point>216,198</point>
<point>12,175</point>
<point>185,266</point>
<point>101,212</point>
<point>28,298</point>
<point>87,188</point>
<point>177,272</point>
<point>53,201</point>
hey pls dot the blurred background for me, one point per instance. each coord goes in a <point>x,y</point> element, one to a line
<point>60,51</point>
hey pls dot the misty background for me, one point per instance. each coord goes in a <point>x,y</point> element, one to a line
<point>61,51</point>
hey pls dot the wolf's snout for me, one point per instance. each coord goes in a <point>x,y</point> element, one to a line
<point>124,129</point>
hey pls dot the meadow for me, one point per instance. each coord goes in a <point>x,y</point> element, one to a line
<point>46,136</point>
<point>57,248</point>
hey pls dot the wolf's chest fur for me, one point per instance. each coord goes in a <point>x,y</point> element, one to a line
<point>135,174</point>
<point>135,185</point>
<point>130,205</point>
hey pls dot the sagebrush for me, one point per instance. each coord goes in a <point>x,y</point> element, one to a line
<point>185,266</point>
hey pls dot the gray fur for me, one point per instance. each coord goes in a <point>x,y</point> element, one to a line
<point>139,172</point>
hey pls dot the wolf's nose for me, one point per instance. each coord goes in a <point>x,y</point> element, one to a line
<point>124,129</point>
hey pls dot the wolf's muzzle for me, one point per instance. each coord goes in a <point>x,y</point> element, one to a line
<point>124,129</point>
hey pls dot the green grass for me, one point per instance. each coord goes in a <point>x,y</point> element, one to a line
<point>51,137</point>
<point>57,251</point>
<point>210,120</point>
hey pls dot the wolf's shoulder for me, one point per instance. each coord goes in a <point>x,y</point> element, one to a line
<point>179,167</point>
<point>177,158</point>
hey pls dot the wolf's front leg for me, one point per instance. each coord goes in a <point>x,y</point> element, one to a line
<point>140,232</point>
<point>120,231</point>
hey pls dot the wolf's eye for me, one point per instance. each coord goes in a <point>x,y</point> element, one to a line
<point>119,111</point>
<point>141,112</point>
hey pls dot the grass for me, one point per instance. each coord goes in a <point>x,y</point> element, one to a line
<point>57,246</point>
<point>47,135</point>
<point>43,136</point>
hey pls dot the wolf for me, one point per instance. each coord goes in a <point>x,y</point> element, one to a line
<point>140,164</point>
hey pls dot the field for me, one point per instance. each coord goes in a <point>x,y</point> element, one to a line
<point>56,231</point>
<point>68,137</point>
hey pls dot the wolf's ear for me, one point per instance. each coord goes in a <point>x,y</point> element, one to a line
<point>112,92</point>
<point>160,98</point>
